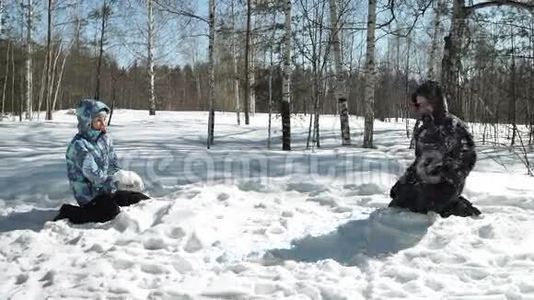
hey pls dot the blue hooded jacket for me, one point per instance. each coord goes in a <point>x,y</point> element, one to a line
<point>91,159</point>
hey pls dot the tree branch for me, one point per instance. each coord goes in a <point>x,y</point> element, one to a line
<point>391,4</point>
<point>529,5</point>
<point>420,12</point>
<point>180,12</point>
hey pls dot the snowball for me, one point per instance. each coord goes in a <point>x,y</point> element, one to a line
<point>129,181</point>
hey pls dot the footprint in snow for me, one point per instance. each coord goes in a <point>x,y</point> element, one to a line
<point>223,197</point>
<point>486,232</point>
<point>324,201</point>
<point>193,244</point>
<point>21,278</point>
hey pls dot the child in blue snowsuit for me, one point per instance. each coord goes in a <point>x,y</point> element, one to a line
<point>91,165</point>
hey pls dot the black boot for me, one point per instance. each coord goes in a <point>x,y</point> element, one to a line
<point>66,211</point>
<point>461,208</point>
<point>101,209</point>
<point>127,198</point>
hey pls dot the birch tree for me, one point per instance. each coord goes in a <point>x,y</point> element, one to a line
<point>29,67</point>
<point>369,88</point>
<point>236,78</point>
<point>211,66</point>
<point>314,46</point>
<point>48,82</point>
<point>60,76</point>
<point>1,16</point>
<point>5,81</point>
<point>104,14</point>
<point>286,77</point>
<point>270,80</point>
<point>150,59</point>
<point>13,76</point>
<point>341,86</point>
<point>248,56</point>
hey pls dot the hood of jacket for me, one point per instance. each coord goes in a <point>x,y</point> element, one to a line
<point>432,92</point>
<point>85,113</point>
<point>441,109</point>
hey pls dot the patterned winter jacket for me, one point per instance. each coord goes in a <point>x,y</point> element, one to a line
<point>444,151</point>
<point>91,159</point>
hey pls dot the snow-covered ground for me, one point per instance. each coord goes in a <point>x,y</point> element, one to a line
<point>215,213</point>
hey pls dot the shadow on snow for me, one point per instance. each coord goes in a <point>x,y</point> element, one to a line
<point>386,231</point>
<point>32,220</point>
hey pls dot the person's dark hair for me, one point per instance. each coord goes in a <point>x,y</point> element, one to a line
<point>430,90</point>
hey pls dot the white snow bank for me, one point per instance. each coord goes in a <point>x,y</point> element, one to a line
<point>215,215</point>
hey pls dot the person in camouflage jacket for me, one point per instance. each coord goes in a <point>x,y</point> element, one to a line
<point>444,156</point>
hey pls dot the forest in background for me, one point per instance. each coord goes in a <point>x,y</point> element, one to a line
<point>154,55</point>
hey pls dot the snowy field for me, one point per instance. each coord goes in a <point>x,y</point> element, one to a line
<point>215,214</point>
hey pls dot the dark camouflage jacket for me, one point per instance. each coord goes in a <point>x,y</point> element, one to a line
<point>444,152</point>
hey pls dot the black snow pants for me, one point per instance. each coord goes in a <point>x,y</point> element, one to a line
<point>442,198</point>
<point>102,208</point>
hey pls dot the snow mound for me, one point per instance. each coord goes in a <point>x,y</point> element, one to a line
<point>241,222</point>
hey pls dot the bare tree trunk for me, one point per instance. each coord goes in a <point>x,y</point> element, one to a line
<point>48,63</point>
<point>403,107</point>
<point>313,131</point>
<point>13,81</point>
<point>370,76</point>
<point>52,80</point>
<point>60,80</point>
<point>310,132</point>
<point>22,97</point>
<point>247,62</point>
<point>252,76</point>
<point>525,154</point>
<point>198,85</point>
<point>236,78</point>
<point>514,93</point>
<point>438,10</point>
<point>53,76</point>
<point>75,50</point>
<point>450,66</point>
<point>29,67</point>
<point>271,72</point>
<point>484,133</point>
<point>1,16</point>
<point>21,78</point>
<point>42,88</point>
<point>113,94</point>
<point>286,80</point>
<point>341,85</point>
<point>101,49</point>
<point>531,85</point>
<point>211,118</point>
<point>152,96</point>
<point>316,114</point>
<point>271,67</point>
<point>5,81</point>
<point>407,92</point>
